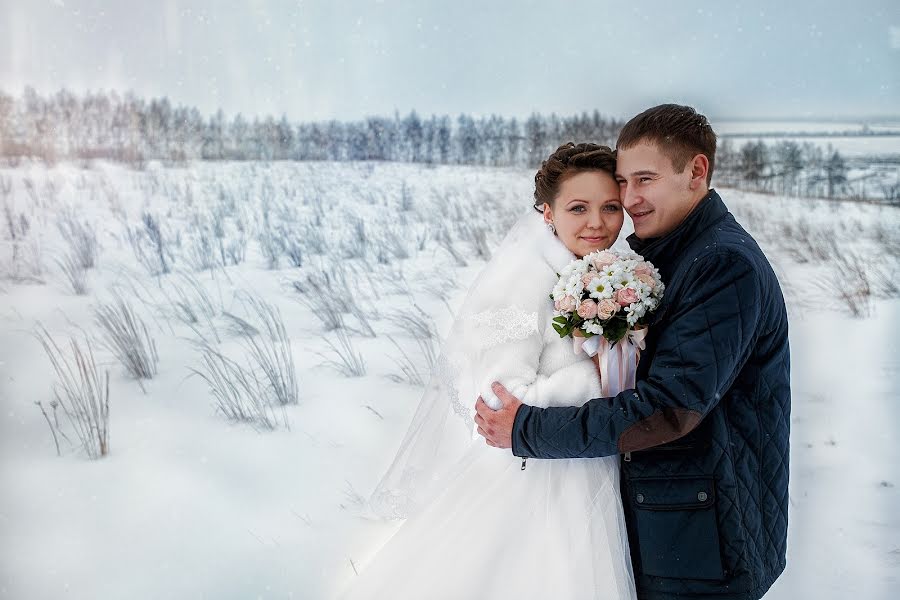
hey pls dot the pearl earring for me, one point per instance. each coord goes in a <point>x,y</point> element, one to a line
<point>551,227</point>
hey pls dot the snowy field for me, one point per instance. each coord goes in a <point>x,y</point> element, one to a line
<point>854,147</point>
<point>750,127</point>
<point>344,275</point>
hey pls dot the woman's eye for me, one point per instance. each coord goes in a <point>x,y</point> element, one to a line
<point>577,209</point>
<point>612,208</point>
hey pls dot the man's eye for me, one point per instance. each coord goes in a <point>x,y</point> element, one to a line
<point>644,179</point>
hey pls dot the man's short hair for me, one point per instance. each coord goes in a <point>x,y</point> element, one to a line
<point>680,132</point>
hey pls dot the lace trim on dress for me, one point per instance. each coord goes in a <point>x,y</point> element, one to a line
<point>497,327</point>
<point>445,374</point>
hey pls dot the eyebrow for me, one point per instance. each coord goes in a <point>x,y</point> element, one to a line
<point>636,173</point>
<point>588,201</point>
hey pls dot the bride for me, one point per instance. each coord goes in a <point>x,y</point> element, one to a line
<point>479,522</point>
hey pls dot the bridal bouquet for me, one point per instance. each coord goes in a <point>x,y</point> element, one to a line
<point>606,293</point>
<point>608,297</point>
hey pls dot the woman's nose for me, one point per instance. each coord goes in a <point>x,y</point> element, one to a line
<point>596,220</point>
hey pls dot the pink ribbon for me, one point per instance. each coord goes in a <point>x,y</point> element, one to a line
<point>618,362</point>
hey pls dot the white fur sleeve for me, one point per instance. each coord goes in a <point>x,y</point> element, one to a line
<point>514,360</point>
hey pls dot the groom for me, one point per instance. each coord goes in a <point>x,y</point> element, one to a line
<point>704,433</point>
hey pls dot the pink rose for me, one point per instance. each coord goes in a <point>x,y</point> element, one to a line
<point>566,304</point>
<point>647,279</point>
<point>626,296</point>
<point>587,277</point>
<point>607,308</point>
<point>603,259</point>
<point>587,309</point>
<point>643,268</point>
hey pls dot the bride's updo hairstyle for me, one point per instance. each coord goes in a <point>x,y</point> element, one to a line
<point>570,159</point>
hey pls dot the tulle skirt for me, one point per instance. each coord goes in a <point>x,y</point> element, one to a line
<point>554,530</point>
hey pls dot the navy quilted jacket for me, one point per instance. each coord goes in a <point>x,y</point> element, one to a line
<point>704,433</point>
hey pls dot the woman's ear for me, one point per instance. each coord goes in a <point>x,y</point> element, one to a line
<point>548,213</point>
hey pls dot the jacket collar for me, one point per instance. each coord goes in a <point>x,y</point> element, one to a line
<point>664,252</point>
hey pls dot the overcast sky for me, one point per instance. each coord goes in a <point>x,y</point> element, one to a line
<point>330,59</point>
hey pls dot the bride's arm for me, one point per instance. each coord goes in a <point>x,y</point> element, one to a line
<point>517,363</point>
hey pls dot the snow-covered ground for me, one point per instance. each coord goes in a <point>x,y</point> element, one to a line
<point>859,146</point>
<point>191,505</point>
<point>749,126</point>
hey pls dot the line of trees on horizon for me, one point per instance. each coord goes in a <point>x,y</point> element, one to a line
<point>132,130</point>
<point>107,125</point>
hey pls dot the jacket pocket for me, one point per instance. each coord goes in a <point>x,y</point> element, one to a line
<point>675,523</point>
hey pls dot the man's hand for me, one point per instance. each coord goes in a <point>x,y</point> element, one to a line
<point>496,425</point>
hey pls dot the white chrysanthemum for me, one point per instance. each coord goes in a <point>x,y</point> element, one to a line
<point>644,291</point>
<point>574,289</point>
<point>593,326</point>
<point>624,279</point>
<point>600,288</point>
<point>574,268</point>
<point>635,312</point>
<point>574,280</point>
<point>559,290</point>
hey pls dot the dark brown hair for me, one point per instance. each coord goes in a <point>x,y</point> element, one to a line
<point>569,159</point>
<point>680,132</point>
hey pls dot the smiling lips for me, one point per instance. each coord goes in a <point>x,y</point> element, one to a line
<point>640,215</point>
<point>593,240</point>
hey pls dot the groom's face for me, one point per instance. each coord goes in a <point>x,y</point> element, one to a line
<point>656,196</point>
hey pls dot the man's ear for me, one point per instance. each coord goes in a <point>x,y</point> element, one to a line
<point>699,168</point>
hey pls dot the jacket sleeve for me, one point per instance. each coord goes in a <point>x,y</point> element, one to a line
<point>707,338</point>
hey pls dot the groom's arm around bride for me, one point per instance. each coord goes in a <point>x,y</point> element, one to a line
<point>704,433</point>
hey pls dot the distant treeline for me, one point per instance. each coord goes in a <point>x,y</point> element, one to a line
<point>129,129</point>
<point>125,128</point>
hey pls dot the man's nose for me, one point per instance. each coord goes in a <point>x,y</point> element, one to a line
<point>629,197</point>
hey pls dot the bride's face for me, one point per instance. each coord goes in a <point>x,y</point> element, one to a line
<point>587,213</point>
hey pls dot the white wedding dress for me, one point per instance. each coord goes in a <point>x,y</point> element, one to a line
<point>477,525</point>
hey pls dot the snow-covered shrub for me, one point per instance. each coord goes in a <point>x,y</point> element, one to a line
<point>151,245</point>
<point>190,303</point>
<point>445,240</point>
<point>127,337</point>
<point>239,394</point>
<point>81,238</point>
<point>416,323</point>
<point>270,351</point>
<point>75,273</point>
<point>343,356</point>
<point>81,392</point>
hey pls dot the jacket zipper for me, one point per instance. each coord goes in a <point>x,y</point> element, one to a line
<point>524,458</point>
